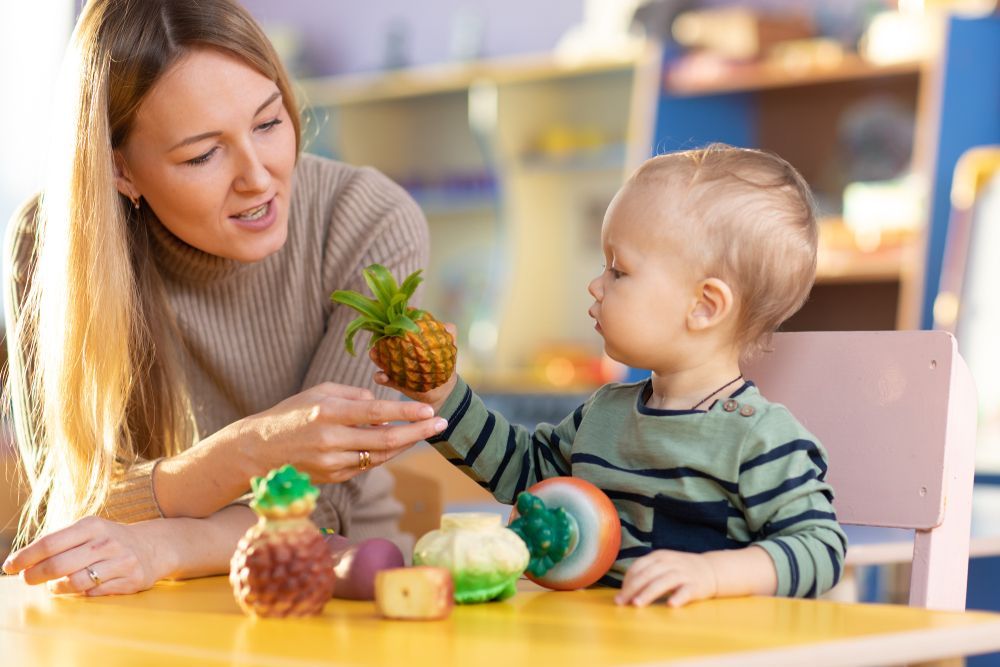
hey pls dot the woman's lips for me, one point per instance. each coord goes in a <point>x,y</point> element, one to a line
<point>261,223</point>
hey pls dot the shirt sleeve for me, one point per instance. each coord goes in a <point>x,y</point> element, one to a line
<point>788,505</point>
<point>131,497</point>
<point>503,458</point>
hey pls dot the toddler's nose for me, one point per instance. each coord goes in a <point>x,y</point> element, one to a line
<point>595,288</point>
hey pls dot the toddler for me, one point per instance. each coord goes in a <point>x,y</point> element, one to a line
<point>720,492</point>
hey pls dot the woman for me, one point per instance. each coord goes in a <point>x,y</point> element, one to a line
<point>171,334</point>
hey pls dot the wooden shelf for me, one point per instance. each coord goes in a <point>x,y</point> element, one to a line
<point>842,266</point>
<point>454,77</point>
<point>750,77</point>
<point>841,261</point>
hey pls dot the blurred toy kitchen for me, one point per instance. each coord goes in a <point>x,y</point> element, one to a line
<point>513,122</point>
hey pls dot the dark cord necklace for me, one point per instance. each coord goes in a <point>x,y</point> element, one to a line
<point>735,379</point>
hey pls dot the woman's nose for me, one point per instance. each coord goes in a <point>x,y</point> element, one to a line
<point>252,175</point>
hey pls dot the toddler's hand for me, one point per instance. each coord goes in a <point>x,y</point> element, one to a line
<point>435,397</point>
<point>685,577</point>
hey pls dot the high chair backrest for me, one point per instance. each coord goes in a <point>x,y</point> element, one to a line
<point>896,412</point>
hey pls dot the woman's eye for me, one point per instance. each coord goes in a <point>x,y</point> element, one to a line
<point>201,159</point>
<point>264,127</point>
<point>616,274</point>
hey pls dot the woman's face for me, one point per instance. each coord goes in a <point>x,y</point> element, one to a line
<point>212,150</point>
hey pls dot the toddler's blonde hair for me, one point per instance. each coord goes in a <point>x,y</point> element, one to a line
<point>754,227</point>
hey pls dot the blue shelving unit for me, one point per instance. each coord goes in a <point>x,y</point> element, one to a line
<point>969,116</point>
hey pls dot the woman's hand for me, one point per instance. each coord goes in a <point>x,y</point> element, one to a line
<point>334,432</point>
<point>92,557</point>
<point>331,431</point>
<point>98,557</point>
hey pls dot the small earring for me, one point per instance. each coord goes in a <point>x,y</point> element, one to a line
<point>135,201</point>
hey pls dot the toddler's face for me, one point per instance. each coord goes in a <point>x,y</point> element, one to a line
<point>642,297</point>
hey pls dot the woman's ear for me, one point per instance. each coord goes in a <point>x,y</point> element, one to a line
<point>713,303</point>
<point>123,178</point>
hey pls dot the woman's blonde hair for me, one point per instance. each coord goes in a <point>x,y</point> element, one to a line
<point>95,379</point>
<point>753,225</point>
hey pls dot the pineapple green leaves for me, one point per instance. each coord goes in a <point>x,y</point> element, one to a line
<point>281,487</point>
<point>388,313</point>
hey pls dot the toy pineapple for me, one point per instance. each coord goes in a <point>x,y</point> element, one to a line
<point>413,348</point>
<point>282,565</point>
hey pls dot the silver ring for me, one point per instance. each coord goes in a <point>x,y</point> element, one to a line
<point>93,576</point>
<point>364,460</point>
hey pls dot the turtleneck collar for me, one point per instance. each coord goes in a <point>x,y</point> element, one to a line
<point>185,263</point>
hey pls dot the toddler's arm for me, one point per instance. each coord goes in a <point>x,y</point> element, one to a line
<point>505,458</point>
<point>788,505</point>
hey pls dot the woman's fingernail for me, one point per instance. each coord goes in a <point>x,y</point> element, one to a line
<point>426,411</point>
<point>440,425</point>
<point>6,565</point>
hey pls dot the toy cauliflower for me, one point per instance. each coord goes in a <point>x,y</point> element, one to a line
<point>282,565</point>
<point>413,348</point>
<point>485,558</point>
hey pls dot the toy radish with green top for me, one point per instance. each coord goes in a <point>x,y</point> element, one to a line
<point>572,530</point>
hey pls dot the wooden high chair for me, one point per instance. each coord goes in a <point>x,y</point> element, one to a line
<point>896,412</point>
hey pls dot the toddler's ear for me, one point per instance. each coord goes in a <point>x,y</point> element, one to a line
<point>712,304</point>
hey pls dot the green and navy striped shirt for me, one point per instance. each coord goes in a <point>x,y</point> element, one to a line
<point>742,472</point>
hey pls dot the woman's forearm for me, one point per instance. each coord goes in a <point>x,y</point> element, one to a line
<point>206,477</point>
<point>322,431</point>
<point>183,548</point>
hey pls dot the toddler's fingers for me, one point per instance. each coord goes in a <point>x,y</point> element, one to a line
<point>381,378</point>
<point>657,588</point>
<point>652,559</point>
<point>637,578</point>
<point>681,596</point>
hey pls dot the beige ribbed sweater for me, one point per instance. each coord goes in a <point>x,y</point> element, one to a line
<point>255,334</point>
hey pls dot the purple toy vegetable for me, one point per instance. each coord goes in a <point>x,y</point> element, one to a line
<point>355,565</point>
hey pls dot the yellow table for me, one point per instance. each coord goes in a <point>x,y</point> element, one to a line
<point>197,623</point>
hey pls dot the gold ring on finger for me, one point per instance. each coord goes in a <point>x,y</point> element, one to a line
<point>93,576</point>
<point>364,460</point>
